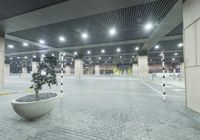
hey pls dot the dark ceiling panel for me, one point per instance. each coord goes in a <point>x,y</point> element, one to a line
<point>177,31</point>
<point>128,21</point>
<point>10,8</point>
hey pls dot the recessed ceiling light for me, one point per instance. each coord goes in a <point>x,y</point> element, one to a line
<point>61,39</point>
<point>137,48</point>
<point>118,50</point>
<point>180,45</point>
<point>102,51</point>
<point>41,41</point>
<point>173,59</point>
<point>112,31</point>
<point>88,52</point>
<point>109,57</point>
<point>89,58</point>
<point>18,57</point>
<point>75,53</point>
<point>148,26</point>
<point>25,57</point>
<point>133,56</point>
<point>43,55</point>
<point>25,44</point>
<point>64,54</point>
<point>99,58</point>
<point>34,56</point>
<point>120,57</point>
<point>175,54</point>
<point>52,54</point>
<point>157,47</point>
<point>11,58</point>
<point>84,35</point>
<point>11,46</point>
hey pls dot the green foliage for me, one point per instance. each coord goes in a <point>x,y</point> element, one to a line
<point>46,74</point>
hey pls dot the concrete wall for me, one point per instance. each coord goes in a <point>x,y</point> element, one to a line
<point>2,54</point>
<point>191,17</point>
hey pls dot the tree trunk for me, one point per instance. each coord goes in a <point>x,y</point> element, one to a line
<point>36,93</point>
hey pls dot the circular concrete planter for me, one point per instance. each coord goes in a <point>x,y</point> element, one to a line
<point>35,109</point>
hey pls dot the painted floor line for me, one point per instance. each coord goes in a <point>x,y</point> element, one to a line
<point>157,91</point>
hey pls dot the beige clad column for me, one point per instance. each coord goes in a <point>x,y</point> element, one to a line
<point>67,71</point>
<point>35,66</point>
<point>7,69</point>
<point>135,70</point>
<point>97,70</point>
<point>182,71</point>
<point>191,19</point>
<point>2,53</point>
<point>24,70</point>
<point>143,68</point>
<point>78,68</point>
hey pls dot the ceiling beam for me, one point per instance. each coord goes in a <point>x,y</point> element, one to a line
<point>62,12</point>
<point>45,48</point>
<point>127,42</point>
<point>170,22</point>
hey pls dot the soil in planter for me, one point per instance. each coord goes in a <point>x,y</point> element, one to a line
<point>41,96</point>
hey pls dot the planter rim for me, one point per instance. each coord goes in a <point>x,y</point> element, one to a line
<point>16,102</point>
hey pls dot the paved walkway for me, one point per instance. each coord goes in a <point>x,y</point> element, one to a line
<point>97,109</point>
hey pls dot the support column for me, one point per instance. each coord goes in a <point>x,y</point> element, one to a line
<point>67,71</point>
<point>97,70</point>
<point>2,53</point>
<point>7,69</point>
<point>182,71</point>
<point>24,70</point>
<point>143,68</point>
<point>35,66</point>
<point>78,68</point>
<point>135,70</point>
<point>191,19</point>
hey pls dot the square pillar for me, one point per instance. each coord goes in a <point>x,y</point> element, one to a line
<point>78,68</point>
<point>67,71</point>
<point>97,70</point>
<point>24,70</point>
<point>2,55</point>
<point>35,67</point>
<point>143,68</point>
<point>191,20</point>
<point>7,69</point>
<point>135,70</point>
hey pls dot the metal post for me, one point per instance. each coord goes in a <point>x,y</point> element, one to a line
<point>163,71</point>
<point>61,71</point>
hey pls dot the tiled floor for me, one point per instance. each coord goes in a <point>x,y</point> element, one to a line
<point>104,109</point>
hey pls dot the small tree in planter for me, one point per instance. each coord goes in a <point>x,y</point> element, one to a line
<point>46,74</point>
<point>35,106</point>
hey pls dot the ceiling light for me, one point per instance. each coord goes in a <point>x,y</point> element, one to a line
<point>148,26</point>
<point>52,54</point>
<point>99,58</point>
<point>157,47</point>
<point>34,56</point>
<point>75,53</point>
<point>11,58</point>
<point>133,56</point>
<point>64,54</point>
<point>11,46</point>
<point>180,45</point>
<point>25,57</point>
<point>43,55</point>
<point>109,57</point>
<point>62,39</point>
<point>118,50</point>
<point>175,54</point>
<point>103,51</point>
<point>112,31</point>
<point>120,57</point>
<point>25,44</point>
<point>89,58</point>
<point>18,57</point>
<point>137,48</point>
<point>84,35</point>
<point>173,59</point>
<point>88,52</point>
<point>41,41</point>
